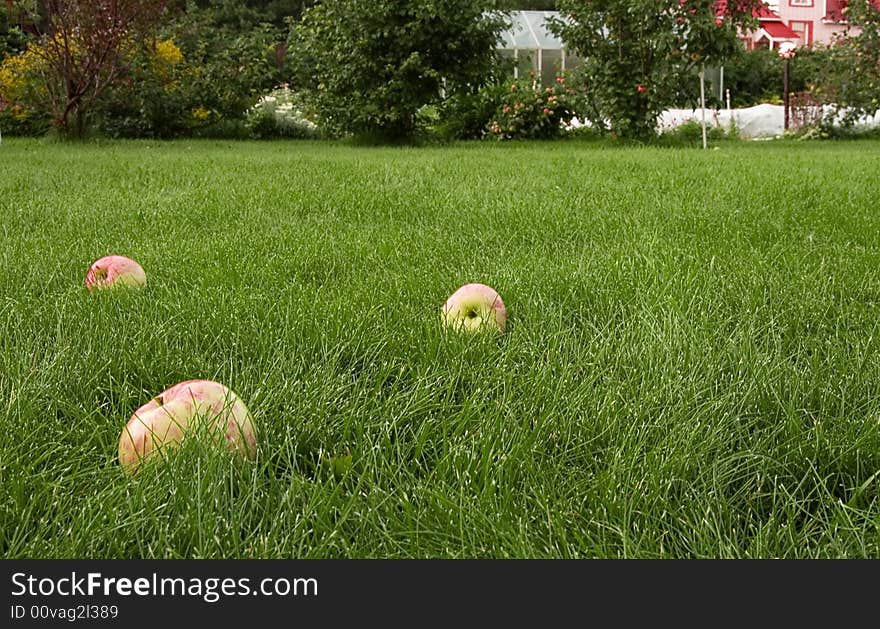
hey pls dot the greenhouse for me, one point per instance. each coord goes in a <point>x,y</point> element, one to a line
<point>531,47</point>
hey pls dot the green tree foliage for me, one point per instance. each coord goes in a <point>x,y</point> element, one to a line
<point>529,5</point>
<point>220,68</point>
<point>154,99</point>
<point>851,80</point>
<point>13,38</point>
<point>239,16</point>
<point>230,67</point>
<point>370,65</point>
<point>755,76</point>
<point>636,51</point>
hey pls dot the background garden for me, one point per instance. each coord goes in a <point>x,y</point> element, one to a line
<point>392,70</point>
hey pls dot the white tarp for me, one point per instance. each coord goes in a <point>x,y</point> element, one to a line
<point>760,121</point>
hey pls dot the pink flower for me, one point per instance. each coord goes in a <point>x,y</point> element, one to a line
<point>641,89</point>
<point>560,79</point>
<point>506,109</point>
<point>546,111</point>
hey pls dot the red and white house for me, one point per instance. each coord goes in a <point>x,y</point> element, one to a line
<point>801,22</point>
<point>772,32</point>
<point>814,21</point>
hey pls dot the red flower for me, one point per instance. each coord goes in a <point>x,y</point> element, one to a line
<point>641,89</point>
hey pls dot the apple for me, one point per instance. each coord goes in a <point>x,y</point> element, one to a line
<point>474,307</point>
<point>115,271</point>
<point>165,420</point>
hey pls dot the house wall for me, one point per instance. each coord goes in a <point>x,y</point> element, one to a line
<point>809,15</point>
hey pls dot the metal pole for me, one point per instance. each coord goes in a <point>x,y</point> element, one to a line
<point>785,91</point>
<point>538,73</point>
<point>703,100</point>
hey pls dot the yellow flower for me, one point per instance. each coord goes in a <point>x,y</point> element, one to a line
<point>201,114</point>
<point>19,75</point>
<point>19,113</point>
<point>168,53</point>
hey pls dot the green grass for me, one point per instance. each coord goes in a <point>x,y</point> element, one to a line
<point>691,369</point>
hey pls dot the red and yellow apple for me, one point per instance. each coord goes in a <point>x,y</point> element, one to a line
<point>474,307</point>
<point>164,421</point>
<point>115,271</point>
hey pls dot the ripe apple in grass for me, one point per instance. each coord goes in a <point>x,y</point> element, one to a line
<point>164,421</point>
<point>115,271</point>
<point>474,307</point>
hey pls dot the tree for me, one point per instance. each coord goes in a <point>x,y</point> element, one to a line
<point>81,46</point>
<point>529,5</point>
<point>13,38</point>
<point>851,80</point>
<point>636,51</point>
<point>240,16</point>
<point>368,66</point>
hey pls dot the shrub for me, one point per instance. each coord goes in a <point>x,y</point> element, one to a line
<point>23,109</point>
<point>755,76</point>
<point>152,99</point>
<point>227,72</point>
<point>196,80</point>
<point>466,115</point>
<point>690,133</point>
<point>528,111</point>
<point>280,114</point>
<point>369,67</point>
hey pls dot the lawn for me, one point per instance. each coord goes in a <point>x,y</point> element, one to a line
<point>691,366</point>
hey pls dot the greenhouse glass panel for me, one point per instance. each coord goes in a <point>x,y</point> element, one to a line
<point>537,21</point>
<point>535,48</point>
<point>571,61</point>
<point>520,33</point>
<point>551,66</point>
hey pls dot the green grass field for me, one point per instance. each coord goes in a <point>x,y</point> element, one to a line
<point>691,367</point>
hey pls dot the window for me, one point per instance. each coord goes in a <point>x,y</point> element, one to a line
<point>804,30</point>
